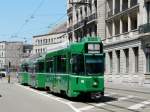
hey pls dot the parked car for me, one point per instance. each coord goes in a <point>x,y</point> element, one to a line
<point>3,73</point>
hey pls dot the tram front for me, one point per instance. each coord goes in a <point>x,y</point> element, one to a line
<point>88,71</point>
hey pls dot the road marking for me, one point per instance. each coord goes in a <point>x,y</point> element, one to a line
<point>86,108</point>
<point>51,97</point>
<point>109,94</point>
<point>125,98</point>
<point>140,105</point>
<point>103,104</point>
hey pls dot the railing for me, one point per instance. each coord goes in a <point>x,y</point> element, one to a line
<point>117,10</point>
<point>145,28</point>
<point>69,29</point>
<point>69,10</point>
<point>85,20</point>
<point>79,24</point>
<point>147,0</point>
<point>110,13</point>
<point>92,17</point>
<point>133,3</point>
<point>124,6</point>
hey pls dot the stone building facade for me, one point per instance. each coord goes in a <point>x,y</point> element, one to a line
<point>85,18</point>
<point>10,54</point>
<point>42,42</point>
<point>124,27</point>
<point>127,41</point>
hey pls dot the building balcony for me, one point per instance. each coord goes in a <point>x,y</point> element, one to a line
<point>117,10</point>
<point>69,29</point>
<point>147,0</point>
<point>92,17</point>
<point>86,20</point>
<point>133,3</point>
<point>124,6</point>
<point>109,14</point>
<point>69,10</point>
<point>79,24</point>
<point>124,11</point>
<point>145,28</point>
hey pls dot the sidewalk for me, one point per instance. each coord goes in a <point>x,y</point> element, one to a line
<point>134,88</point>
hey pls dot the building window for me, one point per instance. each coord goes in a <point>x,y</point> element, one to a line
<point>126,52</point>
<point>147,50</point>
<point>85,10</point>
<point>125,24</point>
<point>111,61</point>
<point>118,61</point>
<point>95,5</point>
<point>148,11</point>
<point>133,18</point>
<point>136,54</point>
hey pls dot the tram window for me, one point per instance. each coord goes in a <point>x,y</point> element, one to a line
<point>49,66</point>
<point>61,64</point>
<point>25,68</point>
<point>94,65</point>
<point>94,48</point>
<point>31,69</point>
<point>39,67</point>
<point>78,64</point>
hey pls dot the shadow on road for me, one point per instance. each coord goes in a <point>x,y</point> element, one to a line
<point>86,99</point>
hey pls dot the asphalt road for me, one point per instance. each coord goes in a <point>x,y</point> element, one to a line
<point>18,98</point>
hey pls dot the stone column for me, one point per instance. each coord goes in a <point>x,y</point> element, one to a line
<point>114,57</point>
<point>129,3</point>
<point>121,25</point>
<point>113,28</point>
<point>113,6</point>
<point>122,62</point>
<point>107,60</point>
<point>120,5</point>
<point>131,61</point>
<point>129,23</point>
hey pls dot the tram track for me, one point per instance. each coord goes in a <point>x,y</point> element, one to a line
<point>131,100</point>
<point>116,106</point>
<point>133,91</point>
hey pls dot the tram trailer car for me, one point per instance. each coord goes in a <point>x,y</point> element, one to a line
<point>77,70</point>
<point>23,74</point>
<point>37,75</point>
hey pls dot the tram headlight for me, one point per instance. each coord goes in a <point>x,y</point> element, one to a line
<point>82,81</point>
<point>95,84</point>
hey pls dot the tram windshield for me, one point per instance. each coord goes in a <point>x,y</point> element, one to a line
<point>94,65</point>
<point>78,64</point>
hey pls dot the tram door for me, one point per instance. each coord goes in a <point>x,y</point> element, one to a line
<point>55,73</point>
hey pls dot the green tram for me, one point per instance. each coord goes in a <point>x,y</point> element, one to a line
<point>77,69</point>
<point>37,74</point>
<point>23,74</point>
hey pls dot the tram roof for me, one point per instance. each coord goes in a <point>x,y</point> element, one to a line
<point>75,48</point>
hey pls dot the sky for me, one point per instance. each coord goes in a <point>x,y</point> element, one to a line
<point>20,20</point>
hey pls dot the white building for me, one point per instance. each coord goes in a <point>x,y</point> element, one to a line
<point>42,42</point>
<point>127,41</point>
<point>10,54</point>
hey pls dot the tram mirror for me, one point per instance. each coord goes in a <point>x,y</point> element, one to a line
<point>71,61</point>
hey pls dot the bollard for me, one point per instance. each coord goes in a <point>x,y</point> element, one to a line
<point>8,78</point>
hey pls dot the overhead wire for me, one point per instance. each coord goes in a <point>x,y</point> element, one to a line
<point>28,19</point>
